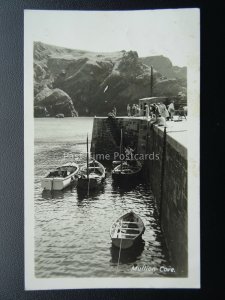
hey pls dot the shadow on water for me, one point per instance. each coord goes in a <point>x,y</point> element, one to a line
<point>124,186</point>
<point>47,195</point>
<point>83,194</point>
<point>127,255</point>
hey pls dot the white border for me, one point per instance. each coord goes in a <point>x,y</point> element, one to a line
<point>193,279</point>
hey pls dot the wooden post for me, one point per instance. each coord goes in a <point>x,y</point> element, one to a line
<point>121,145</point>
<point>151,86</point>
<point>87,159</point>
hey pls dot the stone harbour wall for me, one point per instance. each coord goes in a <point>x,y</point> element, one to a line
<point>106,136</point>
<point>168,179</point>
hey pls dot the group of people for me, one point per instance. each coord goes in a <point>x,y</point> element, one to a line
<point>156,113</point>
<point>133,110</point>
<point>159,113</point>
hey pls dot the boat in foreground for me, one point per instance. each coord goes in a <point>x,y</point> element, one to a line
<point>127,230</point>
<point>61,177</point>
<point>91,175</point>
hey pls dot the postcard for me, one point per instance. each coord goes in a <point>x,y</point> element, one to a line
<point>111,130</point>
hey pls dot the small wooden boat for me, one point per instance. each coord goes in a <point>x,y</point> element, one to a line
<point>61,177</point>
<point>91,176</point>
<point>127,170</point>
<point>127,230</point>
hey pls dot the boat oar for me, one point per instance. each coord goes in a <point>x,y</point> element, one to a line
<point>121,147</point>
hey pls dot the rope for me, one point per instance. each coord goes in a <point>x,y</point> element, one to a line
<point>52,184</point>
<point>88,186</point>
<point>120,249</point>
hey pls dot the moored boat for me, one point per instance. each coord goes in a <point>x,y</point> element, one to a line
<point>127,170</point>
<point>127,230</point>
<point>61,177</point>
<point>91,175</point>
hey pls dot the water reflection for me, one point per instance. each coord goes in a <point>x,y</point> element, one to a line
<point>47,195</point>
<point>84,194</point>
<point>124,187</point>
<point>127,255</point>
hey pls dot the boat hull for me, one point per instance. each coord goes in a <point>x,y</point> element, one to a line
<point>125,177</point>
<point>94,179</point>
<point>61,177</point>
<point>124,233</point>
<point>126,243</point>
<point>122,243</point>
<point>91,183</point>
<point>56,184</point>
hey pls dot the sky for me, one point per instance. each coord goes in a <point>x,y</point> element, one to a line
<point>173,33</point>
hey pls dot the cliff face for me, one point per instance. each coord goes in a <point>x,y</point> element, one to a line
<point>70,81</point>
<point>165,67</point>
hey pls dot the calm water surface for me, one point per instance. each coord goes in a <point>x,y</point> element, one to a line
<point>72,230</point>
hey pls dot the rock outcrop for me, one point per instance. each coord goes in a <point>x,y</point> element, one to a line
<point>67,81</point>
<point>55,102</point>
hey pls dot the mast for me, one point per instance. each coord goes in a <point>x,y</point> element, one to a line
<point>87,159</point>
<point>121,141</point>
<point>151,83</point>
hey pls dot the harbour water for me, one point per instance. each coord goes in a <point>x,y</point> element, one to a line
<point>72,230</point>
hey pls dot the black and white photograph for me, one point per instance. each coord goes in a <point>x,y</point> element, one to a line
<point>111,139</point>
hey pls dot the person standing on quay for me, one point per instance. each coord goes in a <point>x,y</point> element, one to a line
<point>164,111</point>
<point>128,110</point>
<point>171,110</point>
<point>147,111</point>
<point>114,111</point>
<point>138,110</point>
<point>133,110</point>
<point>157,110</point>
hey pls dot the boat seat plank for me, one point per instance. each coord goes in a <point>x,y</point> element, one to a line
<point>129,222</point>
<point>126,228</point>
<point>127,234</point>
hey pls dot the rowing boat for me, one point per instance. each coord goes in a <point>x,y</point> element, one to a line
<point>61,177</point>
<point>127,230</point>
<point>91,176</point>
<point>127,170</point>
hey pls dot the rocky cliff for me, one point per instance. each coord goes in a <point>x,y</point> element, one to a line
<point>70,81</point>
<point>165,67</point>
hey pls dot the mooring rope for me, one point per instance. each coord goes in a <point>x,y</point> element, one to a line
<point>88,186</point>
<point>120,248</point>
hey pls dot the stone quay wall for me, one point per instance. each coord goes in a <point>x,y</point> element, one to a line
<point>168,179</point>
